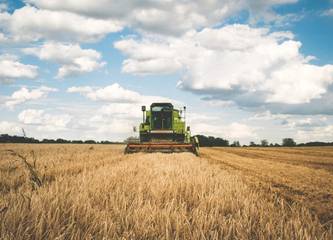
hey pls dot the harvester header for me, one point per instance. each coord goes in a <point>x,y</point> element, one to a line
<point>163,129</point>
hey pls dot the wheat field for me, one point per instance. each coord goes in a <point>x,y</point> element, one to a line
<point>96,192</point>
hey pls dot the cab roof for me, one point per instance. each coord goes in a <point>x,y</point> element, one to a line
<point>162,105</point>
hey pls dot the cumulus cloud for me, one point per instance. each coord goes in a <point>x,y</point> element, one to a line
<point>3,7</point>
<point>306,124</point>
<point>45,121</point>
<point>147,57</point>
<point>235,62</point>
<point>24,94</point>
<point>302,128</point>
<point>232,131</point>
<point>31,24</point>
<point>9,128</point>
<point>320,133</point>
<point>316,106</point>
<point>3,38</point>
<point>267,116</point>
<point>163,17</point>
<point>112,119</point>
<point>262,10</point>
<point>214,124</point>
<point>111,93</point>
<point>328,12</point>
<point>73,59</point>
<point>11,69</point>
<point>115,93</point>
<point>31,116</point>
<point>119,110</point>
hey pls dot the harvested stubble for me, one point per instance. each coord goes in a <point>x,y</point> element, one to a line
<point>100,193</point>
<point>302,175</point>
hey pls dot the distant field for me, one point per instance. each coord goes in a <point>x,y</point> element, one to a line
<point>96,192</point>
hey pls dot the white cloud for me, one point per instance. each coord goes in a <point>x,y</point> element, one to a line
<point>45,121</point>
<point>328,12</point>
<point>307,123</point>
<point>240,131</point>
<point>31,116</point>
<point>268,116</point>
<point>9,128</point>
<point>219,103</point>
<point>73,59</point>
<point>163,17</point>
<point>112,121</point>
<point>3,38</point>
<point>3,7</point>
<point>111,93</point>
<point>232,61</point>
<point>112,124</point>
<point>11,69</point>
<point>31,24</point>
<point>120,110</point>
<point>217,125</point>
<point>117,94</point>
<point>321,133</point>
<point>232,131</point>
<point>147,57</point>
<point>24,94</point>
<point>262,10</point>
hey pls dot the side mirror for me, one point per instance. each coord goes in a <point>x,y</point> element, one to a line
<point>188,128</point>
<point>143,108</point>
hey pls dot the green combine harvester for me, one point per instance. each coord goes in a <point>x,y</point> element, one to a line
<point>163,129</point>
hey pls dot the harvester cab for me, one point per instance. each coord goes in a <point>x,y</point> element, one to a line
<point>163,129</point>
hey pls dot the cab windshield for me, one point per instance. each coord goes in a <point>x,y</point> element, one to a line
<point>161,108</point>
<point>161,117</point>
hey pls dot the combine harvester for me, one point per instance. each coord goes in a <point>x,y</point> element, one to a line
<point>163,129</point>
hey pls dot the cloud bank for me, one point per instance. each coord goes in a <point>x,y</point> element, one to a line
<point>235,62</point>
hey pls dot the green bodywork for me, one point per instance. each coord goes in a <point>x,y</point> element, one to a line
<point>165,122</point>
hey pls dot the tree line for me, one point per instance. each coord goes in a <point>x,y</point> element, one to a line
<point>204,141</point>
<point>210,141</point>
<point>5,138</point>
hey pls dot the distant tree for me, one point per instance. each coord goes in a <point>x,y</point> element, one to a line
<point>288,142</point>
<point>221,142</point>
<point>5,138</point>
<point>235,144</point>
<point>60,140</point>
<point>204,141</point>
<point>210,141</point>
<point>48,141</point>
<point>264,143</point>
<point>315,144</point>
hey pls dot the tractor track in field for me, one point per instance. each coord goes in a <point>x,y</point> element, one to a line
<point>308,160</point>
<point>320,203</point>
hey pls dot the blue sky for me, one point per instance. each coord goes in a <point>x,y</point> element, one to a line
<point>246,70</point>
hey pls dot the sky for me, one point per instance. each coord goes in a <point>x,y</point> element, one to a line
<point>245,69</point>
